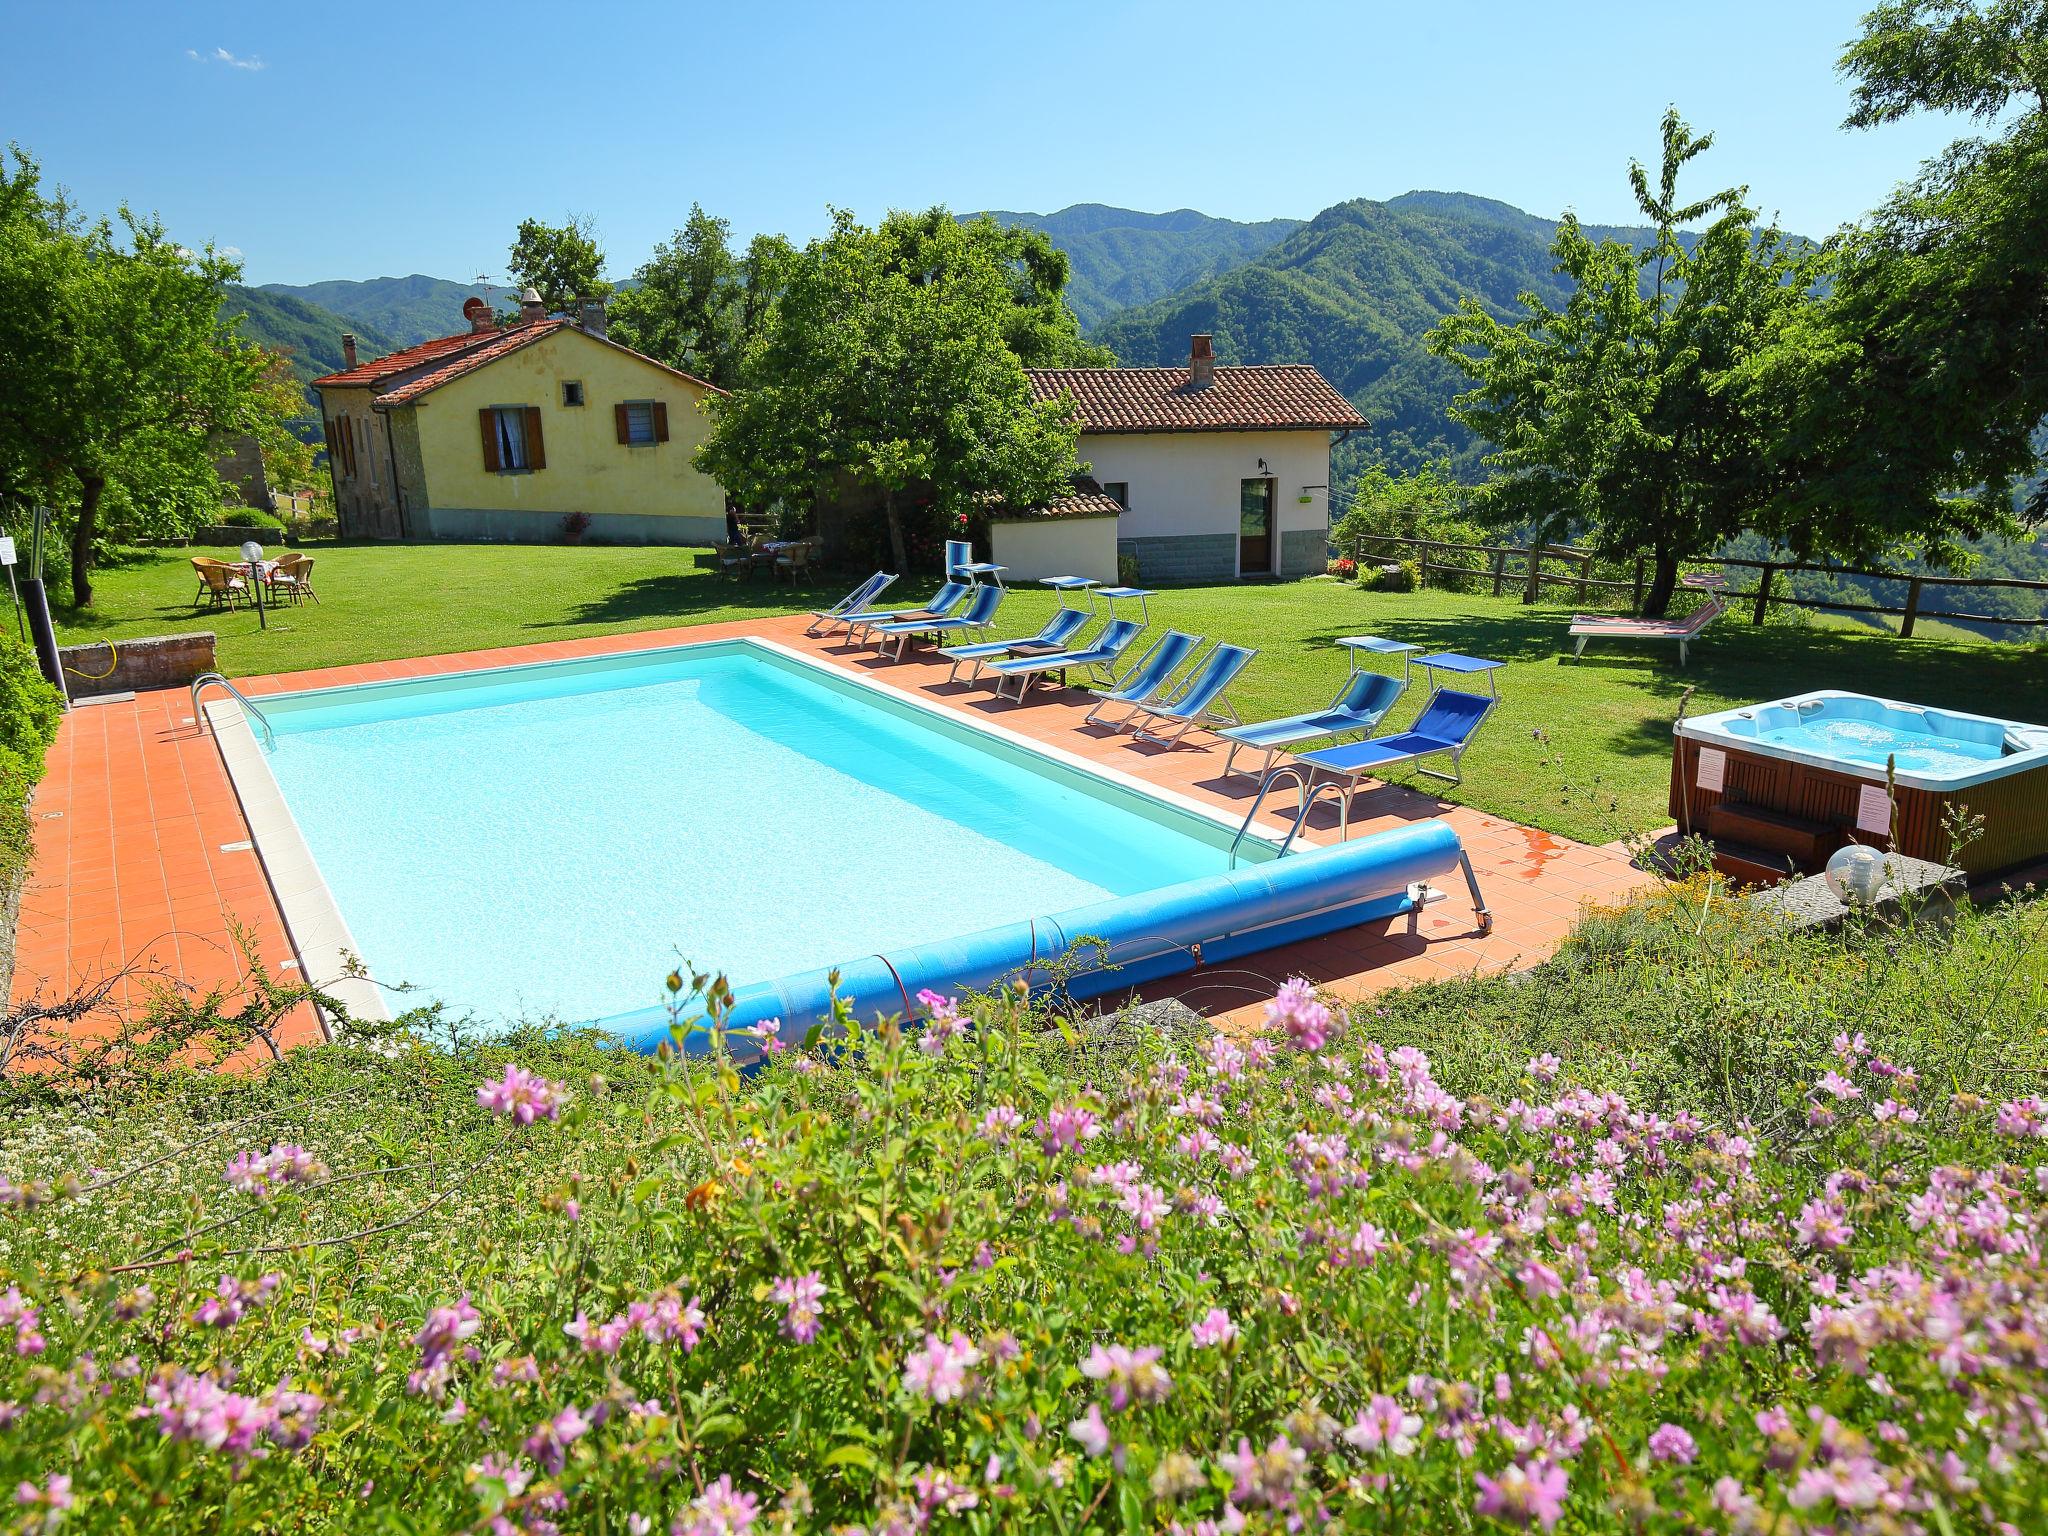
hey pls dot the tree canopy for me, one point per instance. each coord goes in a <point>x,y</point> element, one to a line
<point>1920,385</point>
<point>116,370</point>
<point>562,262</point>
<point>886,360</point>
<point>694,304</point>
<point>1614,414</point>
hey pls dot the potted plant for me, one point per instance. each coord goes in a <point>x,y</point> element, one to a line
<point>574,526</point>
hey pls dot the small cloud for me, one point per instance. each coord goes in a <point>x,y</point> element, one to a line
<point>222,56</point>
<point>233,252</point>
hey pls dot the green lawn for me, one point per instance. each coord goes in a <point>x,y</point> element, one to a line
<point>1582,748</point>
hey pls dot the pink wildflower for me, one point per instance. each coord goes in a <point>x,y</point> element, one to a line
<point>1131,1374</point>
<point>941,1369</point>
<point>1524,1494</point>
<point>1001,1123</point>
<point>1066,1126</point>
<point>1383,1424</point>
<point>2023,1117</point>
<point>1090,1433</point>
<point>1300,1015</point>
<point>720,1510</point>
<point>799,1295</point>
<point>263,1173</point>
<point>235,1299</point>
<point>551,1438</point>
<point>524,1096</point>
<point>19,1313</point>
<point>1670,1442</point>
<point>1214,1330</point>
<point>1544,1068</point>
<point>1822,1224</point>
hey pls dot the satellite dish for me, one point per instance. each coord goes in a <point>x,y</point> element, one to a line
<point>252,552</point>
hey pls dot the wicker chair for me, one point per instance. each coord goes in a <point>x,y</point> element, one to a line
<point>293,576</point>
<point>220,585</point>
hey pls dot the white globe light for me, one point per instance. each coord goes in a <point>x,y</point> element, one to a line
<point>252,551</point>
<point>1856,874</point>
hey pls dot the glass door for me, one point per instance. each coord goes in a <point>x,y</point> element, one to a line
<point>1255,528</point>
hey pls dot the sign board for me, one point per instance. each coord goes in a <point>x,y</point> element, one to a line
<point>1873,810</point>
<point>6,550</point>
<point>1713,772</point>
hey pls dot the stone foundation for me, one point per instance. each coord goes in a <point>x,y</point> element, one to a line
<point>1185,560</point>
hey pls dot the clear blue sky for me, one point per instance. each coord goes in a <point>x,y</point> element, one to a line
<point>369,140</point>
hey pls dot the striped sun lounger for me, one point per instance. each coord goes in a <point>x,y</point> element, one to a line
<point>1588,626</point>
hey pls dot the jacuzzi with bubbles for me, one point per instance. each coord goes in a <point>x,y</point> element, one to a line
<point>1834,767</point>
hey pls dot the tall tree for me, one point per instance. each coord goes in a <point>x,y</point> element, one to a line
<point>1921,382</point>
<point>561,262</point>
<point>1614,415</point>
<point>1038,326</point>
<point>115,368</point>
<point>687,304</point>
<point>893,374</point>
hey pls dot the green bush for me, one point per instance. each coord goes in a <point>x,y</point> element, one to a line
<point>28,724</point>
<point>1391,576</point>
<point>242,515</point>
<point>991,1276</point>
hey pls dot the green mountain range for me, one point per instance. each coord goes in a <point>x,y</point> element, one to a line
<point>404,310</point>
<point>1121,257</point>
<point>1353,291</point>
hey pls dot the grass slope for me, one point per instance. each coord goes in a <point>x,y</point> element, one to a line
<point>1580,748</point>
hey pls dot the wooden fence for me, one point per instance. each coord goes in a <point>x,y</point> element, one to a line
<point>1438,558</point>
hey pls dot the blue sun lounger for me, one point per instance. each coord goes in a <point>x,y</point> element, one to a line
<point>979,613</point>
<point>1359,707</point>
<point>1097,656</point>
<point>1064,624</point>
<point>1151,677</point>
<point>1203,698</point>
<point>1445,725</point>
<point>853,602</point>
<point>944,601</point>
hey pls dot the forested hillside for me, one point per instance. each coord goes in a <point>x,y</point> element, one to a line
<point>403,310</point>
<point>1121,257</point>
<point>305,332</point>
<point>1353,291</point>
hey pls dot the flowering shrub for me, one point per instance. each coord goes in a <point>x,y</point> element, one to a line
<point>1344,568</point>
<point>1198,1285</point>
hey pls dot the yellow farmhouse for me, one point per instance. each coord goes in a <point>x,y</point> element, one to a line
<point>509,431</point>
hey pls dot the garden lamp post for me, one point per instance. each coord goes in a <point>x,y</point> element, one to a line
<point>253,553</point>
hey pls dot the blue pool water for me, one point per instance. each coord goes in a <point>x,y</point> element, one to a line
<point>551,841</point>
<point>1873,741</point>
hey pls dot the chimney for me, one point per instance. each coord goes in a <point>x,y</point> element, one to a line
<point>1201,361</point>
<point>590,316</point>
<point>348,349</point>
<point>478,313</point>
<point>530,307</point>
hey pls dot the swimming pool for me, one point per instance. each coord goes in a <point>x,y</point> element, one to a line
<point>547,841</point>
<point>1822,757</point>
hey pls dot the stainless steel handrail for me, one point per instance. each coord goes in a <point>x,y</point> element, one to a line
<point>207,678</point>
<point>1310,789</point>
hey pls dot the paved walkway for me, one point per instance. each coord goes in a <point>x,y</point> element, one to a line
<point>143,858</point>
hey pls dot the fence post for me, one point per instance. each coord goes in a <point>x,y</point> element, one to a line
<point>1763,592</point>
<point>1635,599</point>
<point>1585,571</point>
<point>1912,609</point>
<point>1534,590</point>
<point>1500,569</point>
<point>1422,580</point>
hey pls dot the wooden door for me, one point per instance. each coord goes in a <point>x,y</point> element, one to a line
<point>1255,528</point>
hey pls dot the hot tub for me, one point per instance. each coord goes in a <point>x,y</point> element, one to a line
<point>1801,776</point>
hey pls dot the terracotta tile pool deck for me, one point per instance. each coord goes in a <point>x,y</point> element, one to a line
<point>143,856</point>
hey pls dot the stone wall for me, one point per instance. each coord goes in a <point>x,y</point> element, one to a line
<point>1304,552</point>
<point>1192,558</point>
<point>496,525</point>
<point>161,661</point>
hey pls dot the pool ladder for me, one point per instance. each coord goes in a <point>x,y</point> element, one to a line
<point>1310,789</point>
<point>214,679</point>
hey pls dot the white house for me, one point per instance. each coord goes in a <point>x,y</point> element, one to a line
<point>1203,473</point>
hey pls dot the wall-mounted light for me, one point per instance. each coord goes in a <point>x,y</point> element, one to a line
<point>1262,468</point>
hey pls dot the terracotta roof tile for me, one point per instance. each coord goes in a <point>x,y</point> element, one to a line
<point>1281,398</point>
<point>1087,499</point>
<point>379,369</point>
<point>496,346</point>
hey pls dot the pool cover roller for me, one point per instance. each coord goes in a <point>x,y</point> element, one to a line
<point>1149,934</point>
